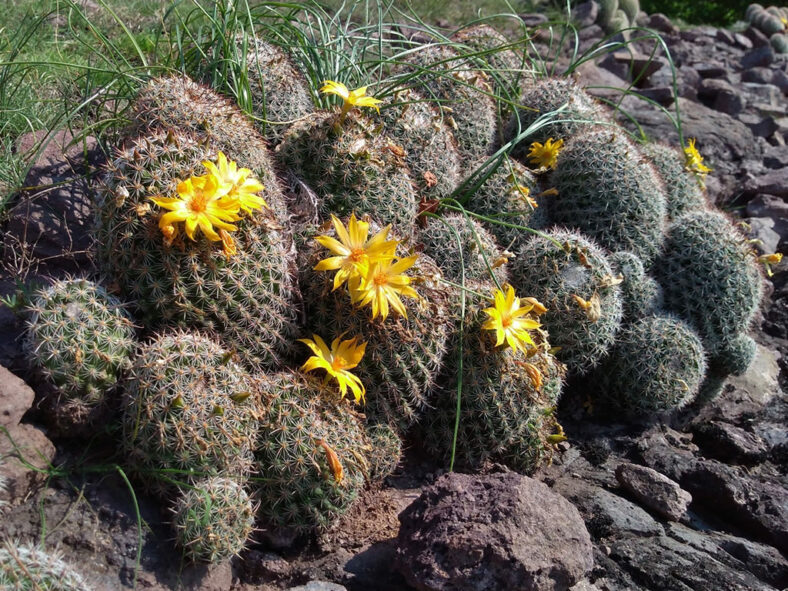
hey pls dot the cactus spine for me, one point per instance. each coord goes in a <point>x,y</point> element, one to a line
<point>682,189</point>
<point>640,293</point>
<point>26,567</point>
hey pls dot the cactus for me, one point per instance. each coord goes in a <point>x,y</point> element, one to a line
<point>404,355</point>
<point>463,96</point>
<point>544,97</point>
<point>767,23</point>
<point>609,191</point>
<point>502,196</point>
<point>657,364</point>
<point>573,278</point>
<point>385,452</point>
<point>212,519</point>
<point>311,454</point>
<point>81,339</point>
<point>504,415</point>
<point>682,189</point>
<point>431,153</point>
<point>247,298</point>
<point>607,12</point>
<point>189,410</point>
<point>752,9</point>
<point>630,8</point>
<point>180,105</point>
<point>710,279</point>
<point>353,168</point>
<point>640,293</point>
<point>509,68</point>
<point>24,567</point>
<point>472,259</point>
<point>779,42</point>
<point>280,92</point>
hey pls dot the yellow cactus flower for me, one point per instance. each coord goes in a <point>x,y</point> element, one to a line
<point>382,285</point>
<point>545,155</point>
<point>354,252</point>
<point>694,161</point>
<point>767,260</point>
<point>199,204</point>
<point>506,319</point>
<point>239,183</point>
<point>341,357</point>
<point>228,244</point>
<point>351,98</point>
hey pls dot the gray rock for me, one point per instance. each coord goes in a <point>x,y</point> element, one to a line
<point>534,19</point>
<point>758,93</point>
<point>500,531</point>
<point>654,490</point>
<point>742,41</point>
<point>759,125</point>
<point>758,75</point>
<point>16,396</point>
<point>584,14</point>
<point>318,586</point>
<point>729,443</point>
<point>780,80</point>
<point>662,95</point>
<point>660,22</point>
<point>711,69</point>
<point>600,81</point>
<point>725,36</point>
<point>762,56</point>
<point>757,38</point>
<point>721,96</point>
<point>773,182</point>
<point>765,562</point>
<point>27,456</point>
<point>764,205</point>
<point>606,513</point>
<point>207,577</point>
<point>765,231</point>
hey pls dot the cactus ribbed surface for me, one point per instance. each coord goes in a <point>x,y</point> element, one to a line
<point>558,274</point>
<point>29,568</point>
<point>630,8</point>
<point>657,364</point>
<point>385,452</point>
<point>403,355</point>
<point>710,279</point>
<point>682,189</point>
<point>504,416</point>
<point>189,411</point>
<point>353,168</point>
<point>463,93</point>
<point>213,519</point>
<point>472,258</point>
<point>81,339</point>
<point>247,299</point>
<point>280,91</point>
<point>416,125</point>
<point>611,193</point>
<point>311,454</point>
<point>548,95</point>
<point>640,293</point>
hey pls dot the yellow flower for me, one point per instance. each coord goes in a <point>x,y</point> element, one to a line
<point>694,161</point>
<point>505,318</point>
<point>199,204</point>
<point>228,244</point>
<point>382,285</point>
<point>351,98</point>
<point>355,252</point>
<point>239,183</point>
<point>524,193</point>
<point>545,155</point>
<point>767,260</point>
<point>342,356</point>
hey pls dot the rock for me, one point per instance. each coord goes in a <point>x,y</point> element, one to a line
<point>260,567</point>
<point>725,36</point>
<point>660,22</point>
<point>27,456</point>
<point>534,19</point>
<point>758,93</point>
<point>762,56</point>
<point>662,95</point>
<point>639,66</point>
<point>760,126</point>
<point>729,443</point>
<point>742,41</point>
<point>16,396</point>
<point>53,219</point>
<point>780,80</point>
<point>584,14</point>
<point>711,69</point>
<point>757,38</point>
<point>600,81</point>
<point>765,231</point>
<point>721,96</point>
<point>606,513</point>
<point>773,182</point>
<point>207,577</point>
<point>764,205</point>
<point>499,531</point>
<point>654,490</point>
<point>588,37</point>
<point>765,562</point>
<point>318,586</point>
<point>758,75</point>
<point>687,81</point>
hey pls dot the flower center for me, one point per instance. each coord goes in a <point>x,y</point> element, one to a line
<point>198,203</point>
<point>356,255</point>
<point>506,320</point>
<point>380,279</point>
<point>338,363</point>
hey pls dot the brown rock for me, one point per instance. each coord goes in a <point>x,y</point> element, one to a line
<point>654,490</point>
<point>27,455</point>
<point>16,397</point>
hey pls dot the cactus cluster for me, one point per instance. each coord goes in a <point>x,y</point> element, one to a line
<point>81,339</point>
<point>770,21</point>
<point>616,15</point>
<point>683,190</point>
<point>26,567</point>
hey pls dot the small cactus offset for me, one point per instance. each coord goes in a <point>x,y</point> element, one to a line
<point>352,167</point>
<point>611,193</point>
<point>631,9</point>
<point>416,125</point>
<point>385,452</point>
<point>682,189</point>
<point>657,365</point>
<point>579,112</point>
<point>640,293</point>
<point>607,12</point>
<point>29,568</point>
<point>463,94</point>
<point>190,411</point>
<point>280,92</point>
<point>81,339</point>
<point>247,298</point>
<point>463,249</point>
<point>213,519</point>
<point>710,279</point>
<point>311,454</point>
<point>574,279</point>
<point>779,42</point>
